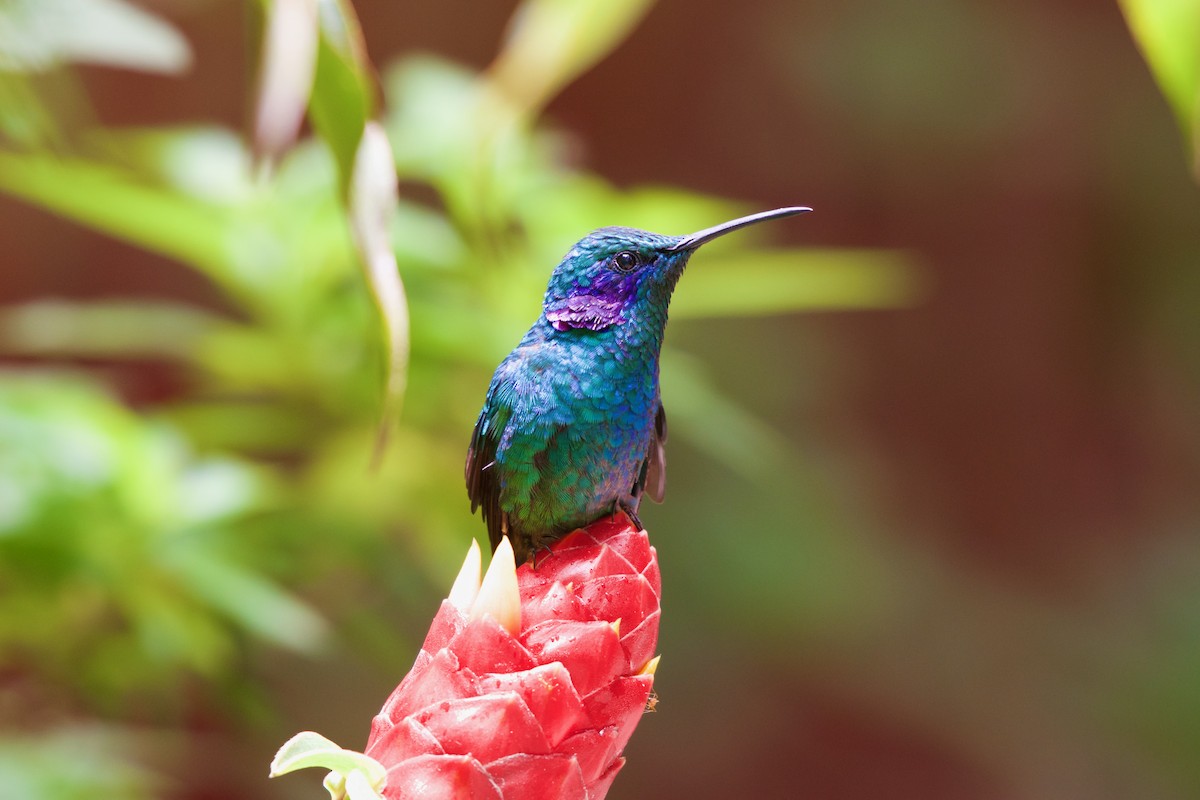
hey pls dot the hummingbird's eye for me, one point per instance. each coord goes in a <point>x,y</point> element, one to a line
<point>626,261</point>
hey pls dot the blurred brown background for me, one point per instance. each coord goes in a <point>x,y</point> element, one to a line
<point>1019,451</point>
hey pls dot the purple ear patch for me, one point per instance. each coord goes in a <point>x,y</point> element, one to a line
<point>584,311</point>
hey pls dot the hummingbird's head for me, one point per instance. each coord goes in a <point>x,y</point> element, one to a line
<point>617,275</point>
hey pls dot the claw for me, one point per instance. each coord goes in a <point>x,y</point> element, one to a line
<point>629,505</point>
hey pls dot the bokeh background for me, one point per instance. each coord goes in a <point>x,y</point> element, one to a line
<point>933,514</point>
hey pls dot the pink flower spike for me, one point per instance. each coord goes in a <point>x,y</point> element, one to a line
<point>529,683</point>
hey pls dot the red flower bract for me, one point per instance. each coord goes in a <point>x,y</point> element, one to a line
<point>539,708</point>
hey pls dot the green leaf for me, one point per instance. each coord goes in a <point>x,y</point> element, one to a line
<point>117,203</point>
<point>1168,33</point>
<point>206,163</point>
<point>185,195</point>
<point>36,35</point>
<point>552,42</point>
<point>256,604</point>
<point>305,749</point>
<point>714,423</point>
<point>343,94</point>
<point>28,117</point>
<point>109,328</point>
<point>752,283</point>
<point>309,749</point>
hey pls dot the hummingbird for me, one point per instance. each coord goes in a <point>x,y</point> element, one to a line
<point>573,427</point>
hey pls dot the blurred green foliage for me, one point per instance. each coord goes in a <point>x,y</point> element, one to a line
<point>126,557</point>
<point>143,552</point>
<point>73,763</point>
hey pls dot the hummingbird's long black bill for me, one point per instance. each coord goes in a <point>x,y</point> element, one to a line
<point>692,241</point>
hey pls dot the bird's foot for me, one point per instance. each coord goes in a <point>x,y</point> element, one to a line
<point>629,507</point>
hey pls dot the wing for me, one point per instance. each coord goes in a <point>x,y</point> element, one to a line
<point>483,479</point>
<point>655,481</point>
